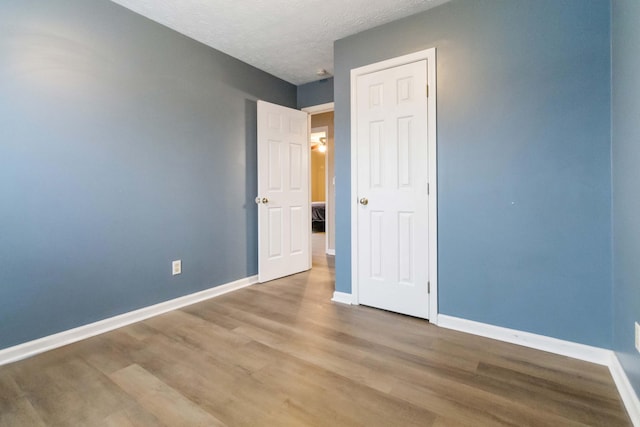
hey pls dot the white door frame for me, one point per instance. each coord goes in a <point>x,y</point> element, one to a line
<point>319,109</point>
<point>430,56</point>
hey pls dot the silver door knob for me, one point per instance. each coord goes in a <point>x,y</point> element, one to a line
<point>265,200</point>
<point>364,201</point>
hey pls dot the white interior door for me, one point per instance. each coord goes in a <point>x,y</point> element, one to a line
<point>283,192</point>
<point>392,189</point>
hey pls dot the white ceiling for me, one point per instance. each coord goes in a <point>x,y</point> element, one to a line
<point>291,39</point>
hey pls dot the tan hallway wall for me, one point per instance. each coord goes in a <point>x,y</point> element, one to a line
<point>317,176</point>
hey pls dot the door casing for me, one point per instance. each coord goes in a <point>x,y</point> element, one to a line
<point>430,56</point>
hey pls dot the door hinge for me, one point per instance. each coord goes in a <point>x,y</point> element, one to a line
<point>428,190</point>
<point>427,91</point>
<point>429,287</point>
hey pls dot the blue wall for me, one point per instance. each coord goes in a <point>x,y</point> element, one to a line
<point>315,93</point>
<point>523,161</point>
<point>123,146</point>
<point>625,112</point>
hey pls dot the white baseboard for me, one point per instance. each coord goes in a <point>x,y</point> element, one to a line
<point>540,342</point>
<point>31,348</point>
<point>627,393</point>
<point>331,252</point>
<point>342,297</point>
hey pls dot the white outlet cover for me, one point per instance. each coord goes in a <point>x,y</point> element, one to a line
<point>637,337</point>
<point>176,267</point>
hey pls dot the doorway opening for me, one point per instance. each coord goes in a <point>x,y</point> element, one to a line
<point>322,179</point>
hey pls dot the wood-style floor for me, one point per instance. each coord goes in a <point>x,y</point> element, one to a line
<point>282,354</point>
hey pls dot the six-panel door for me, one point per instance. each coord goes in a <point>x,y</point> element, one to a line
<point>392,177</point>
<point>283,192</point>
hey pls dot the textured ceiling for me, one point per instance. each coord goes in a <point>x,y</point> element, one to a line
<point>291,39</point>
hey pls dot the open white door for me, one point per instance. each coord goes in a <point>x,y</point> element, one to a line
<point>283,192</point>
<point>392,212</point>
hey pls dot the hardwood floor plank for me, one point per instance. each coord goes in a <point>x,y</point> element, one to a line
<point>161,400</point>
<point>339,400</point>
<point>447,422</point>
<point>110,353</point>
<point>598,379</point>
<point>20,413</point>
<point>552,396</point>
<point>202,378</point>
<point>71,393</point>
<point>9,389</point>
<point>131,417</point>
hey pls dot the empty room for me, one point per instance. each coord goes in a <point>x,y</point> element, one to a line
<point>319,213</point>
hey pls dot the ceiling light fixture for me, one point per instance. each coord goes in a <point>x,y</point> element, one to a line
<point>323,145</point>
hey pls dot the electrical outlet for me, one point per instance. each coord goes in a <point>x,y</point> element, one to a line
<point>176,267</point>
<point>637,337</point>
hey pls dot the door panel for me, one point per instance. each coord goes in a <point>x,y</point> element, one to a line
<point>392,162</point>
<point>275,232</point>
<point>283,192</point>
<point>275,165</point>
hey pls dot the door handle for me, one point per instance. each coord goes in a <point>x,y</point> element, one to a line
<point>261,200</point>
<point>364,201</point>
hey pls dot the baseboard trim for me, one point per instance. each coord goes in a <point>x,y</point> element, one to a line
<point>331,252</point>
<point>627,393</point>
<point>342,297</point>
<point>31,348</point>
<point>540,342</point>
